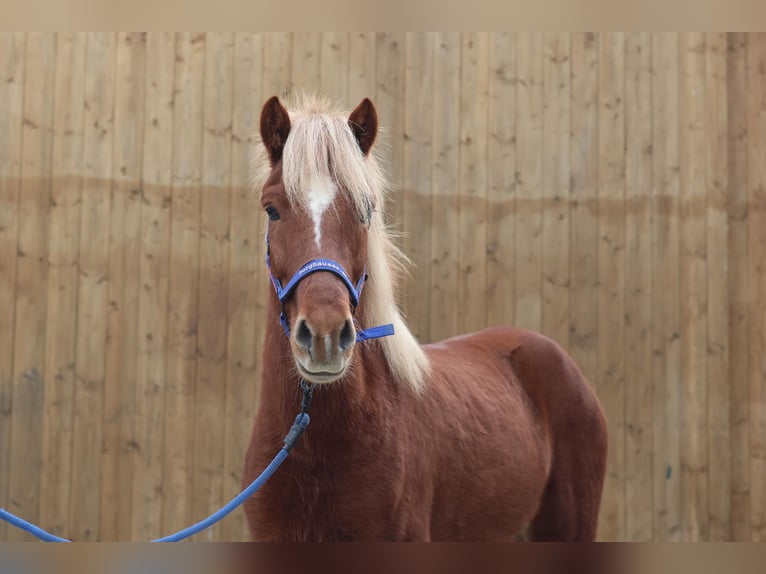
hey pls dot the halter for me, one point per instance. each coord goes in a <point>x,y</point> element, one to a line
<point>312,266</point>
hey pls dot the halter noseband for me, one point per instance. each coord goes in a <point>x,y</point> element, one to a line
<point>354,291</point>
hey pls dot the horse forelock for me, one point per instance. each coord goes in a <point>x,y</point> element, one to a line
<point>322,147</point>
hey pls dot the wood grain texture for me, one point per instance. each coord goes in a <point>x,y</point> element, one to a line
<point>64,244</point>
<point>717,348</point>
<point>183,282</point>
<point>739,302</point>
<point>31,282</point>
<point>416,176</point>
<point>756,175</point>
<point>555,185</point>
<point>12,66</point>
<point>247,278</point>
<point>501,184</point>
<point>151,349</point>
<point>119,451</point>
<point>666,363</point>
<point>212,302</point>
<point>529,206</point>
<point>472,232</point>
<point>639,436</point>
<point>445,216</point>
<point>693,285</point>
<point>611,273</point>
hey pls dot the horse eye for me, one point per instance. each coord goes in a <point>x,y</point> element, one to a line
<point>272,213</point>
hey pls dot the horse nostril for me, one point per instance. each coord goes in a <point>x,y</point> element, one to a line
<point>303,335</point>
<point>347,335</point>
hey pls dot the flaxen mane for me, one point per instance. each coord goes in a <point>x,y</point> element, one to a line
<point>321,145</point>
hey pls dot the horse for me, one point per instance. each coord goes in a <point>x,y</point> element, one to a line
<point>488,436</point>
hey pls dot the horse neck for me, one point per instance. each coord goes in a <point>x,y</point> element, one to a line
<point>349,398</point>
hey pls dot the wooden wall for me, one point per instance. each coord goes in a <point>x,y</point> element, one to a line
<point>608,190</point>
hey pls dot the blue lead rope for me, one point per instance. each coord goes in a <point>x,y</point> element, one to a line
<point>299,426</point>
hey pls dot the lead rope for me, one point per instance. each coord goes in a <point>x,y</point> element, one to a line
<point>298,428</point>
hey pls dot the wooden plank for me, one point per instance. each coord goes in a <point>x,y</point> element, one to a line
<point>739,299</point>
<point>247,303</point>
<point>361,67</point>
<point>445,160</point>
<point>718,439</point>
<point>32,280</point>
<point>153,298</point>
<point>62,284</point>
<point>119,445</point>
<point>389,101</point>
<point>639,436</point>
<point>12,55</point>
<point>306,58</point>
<point>181,360</point>
<point>583,214</point>
<point>756,87</point>
<point>556,127</point>
<point>417,176</point>
<point>472,233</point>
<point>611,272</point>
<point>665,309</point>
<point>529,208</point>
<point>277,62</point>
<point>92,310</point>
<point>333,66</point>
<point>501,172</point>
<point>207,481</point>
<point>693,289</point>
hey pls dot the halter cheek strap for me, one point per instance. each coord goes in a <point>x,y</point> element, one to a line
<point>354,291</point>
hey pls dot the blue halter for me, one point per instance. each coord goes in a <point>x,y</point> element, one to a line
<point>354,291</point>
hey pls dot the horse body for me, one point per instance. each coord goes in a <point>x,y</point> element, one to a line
<point>474,438</point>
<point>507,435</point>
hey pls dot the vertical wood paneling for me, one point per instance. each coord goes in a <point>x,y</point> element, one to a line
<point>12,60</point>
<point>756,175</point>
<point>32,279</point>
<point>389,95</point>
<point>718,385</point>
<point>605,189</point>
<point>739,303</point>
<point>277,61</point>
<point>472,233</point>
<point>60,349</point>
<point>583,213</point>
<point>98,133</point>
<point>445,217</point>
<point>361,67</point>
<point>639,442</point>
<point>665,309</point>
<point>333,65</point>
<point>306,62</point>
<point>416,176</point>
<point>611,273</point>
<point>246,303</point>
<point>153,298</point>
<point>529,146</point>
<point>501,192</point>
<point>181,360</point>
<point>207,484</point>
<point>119,445</point>
<point>555,180</point>
<point>693,284</point>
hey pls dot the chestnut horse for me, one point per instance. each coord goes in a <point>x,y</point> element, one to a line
<point>481,437</point>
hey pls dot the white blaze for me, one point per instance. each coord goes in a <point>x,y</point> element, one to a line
<point>321,195</point>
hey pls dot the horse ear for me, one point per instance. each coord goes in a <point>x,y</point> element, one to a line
<point>275,127</point>
<point>364,123</point>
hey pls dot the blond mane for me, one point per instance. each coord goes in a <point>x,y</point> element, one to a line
<point>320,145</point>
